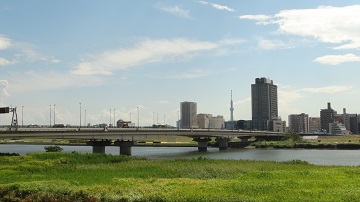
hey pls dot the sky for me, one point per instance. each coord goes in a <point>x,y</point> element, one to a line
<point>137,60</point>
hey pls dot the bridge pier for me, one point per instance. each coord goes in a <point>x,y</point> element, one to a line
<point>223,142</point>
<point>125,146</point>
<point>202,143</point>
<point>99,146</point>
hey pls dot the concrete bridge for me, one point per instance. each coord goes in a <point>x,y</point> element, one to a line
<point>99,138</point>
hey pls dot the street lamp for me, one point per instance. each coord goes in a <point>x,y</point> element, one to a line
<point>50,116</point>
<point>138,116</point>
<point>85,119</point>
<point>114,117</point>
<point>110,119</point>
<point>80,115</point>
<point>54,114</point>
<point>22,116</point>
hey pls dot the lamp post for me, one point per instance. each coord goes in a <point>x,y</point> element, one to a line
<point>22,116</point>
<point>50,116</point>
<point>110,119</point>
<point>130,117</point>
<point>80,114</point>
<point>114,117</point>
<point>85,119</point>
<point>138,116</point>
<point>54,114</point>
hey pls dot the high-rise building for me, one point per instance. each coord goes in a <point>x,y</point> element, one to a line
<point>327,116</point>
<point>188,112</point>
<point>264,103</point>
<point>314,124</point>
<point>299,123</point>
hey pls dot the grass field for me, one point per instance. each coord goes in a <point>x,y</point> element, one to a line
<point>98,177</point>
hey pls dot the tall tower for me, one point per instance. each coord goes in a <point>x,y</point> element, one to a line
<point>188,112</point>
<point>232,112</point>
<point>264,103</point>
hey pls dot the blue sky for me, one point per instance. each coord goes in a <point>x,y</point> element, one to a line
<point>149,56</point>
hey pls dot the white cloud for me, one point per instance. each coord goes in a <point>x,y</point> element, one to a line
<point>177,11</point>
<point>273,44</point>
<point>203,2</point>
<point>148,51</point>
<point>337,59</point>
<point>4,62</point>
<point>4,84</point>
<point>262,19</point>
<point>221,7</point>
<point>287,98</point>
<point>328,89</point>
<point>326,24</point>
<point>217,6</point>
<point>4,42</point>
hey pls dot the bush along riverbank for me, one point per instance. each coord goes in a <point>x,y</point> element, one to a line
<point>56,176</point>
<point>293,141</point>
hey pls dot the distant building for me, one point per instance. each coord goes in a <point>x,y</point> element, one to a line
<point>277,125</point>
<point>346,118</point>
<point>244,124</point>
<point>337,128</point>
<point>188,112</point>
<point>217,122</point>
<point>355,124</point>
<point>299,123</point>
<point>203,120</point>
<point>264,103</point>
<point>327,116</point>
<point>314,124</point>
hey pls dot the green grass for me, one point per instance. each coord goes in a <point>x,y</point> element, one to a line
<point>97,177</point>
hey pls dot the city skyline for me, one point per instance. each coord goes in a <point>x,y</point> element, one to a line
<point>147,58</point>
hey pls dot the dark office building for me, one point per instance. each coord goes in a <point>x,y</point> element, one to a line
<point>327,116</point>
<point>264,103</point>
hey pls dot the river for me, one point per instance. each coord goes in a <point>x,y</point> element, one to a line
<point>318,157</point>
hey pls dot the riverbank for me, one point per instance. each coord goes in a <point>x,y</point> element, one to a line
<point>306,145</point>
<point>96,177</point>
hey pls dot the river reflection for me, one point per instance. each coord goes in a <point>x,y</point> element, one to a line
<point>318,157</point>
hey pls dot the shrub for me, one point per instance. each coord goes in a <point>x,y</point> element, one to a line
<point>53,149</point>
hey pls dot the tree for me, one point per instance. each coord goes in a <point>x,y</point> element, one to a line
<point>292,136</point>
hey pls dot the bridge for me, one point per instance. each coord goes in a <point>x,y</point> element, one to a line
<point>99,138</point>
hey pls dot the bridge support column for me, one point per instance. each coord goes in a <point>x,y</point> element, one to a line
<point>99,146</point>
<point>223,142</point>
<point>202,143</point>
<point>125,146</point>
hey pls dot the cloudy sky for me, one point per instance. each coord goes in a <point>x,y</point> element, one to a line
<point>148,56</point>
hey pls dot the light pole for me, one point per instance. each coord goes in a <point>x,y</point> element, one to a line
<point>178,119</point>
<point>130,117</point>
<point>85,119</point>
<point>54,114</point>
<point>80,114</point>
<point>22,116</point>
<point>110,119</point>
<point>114,117</point>
<point>153,118</point>
<point>50,116</point>
<point>138,116</point>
